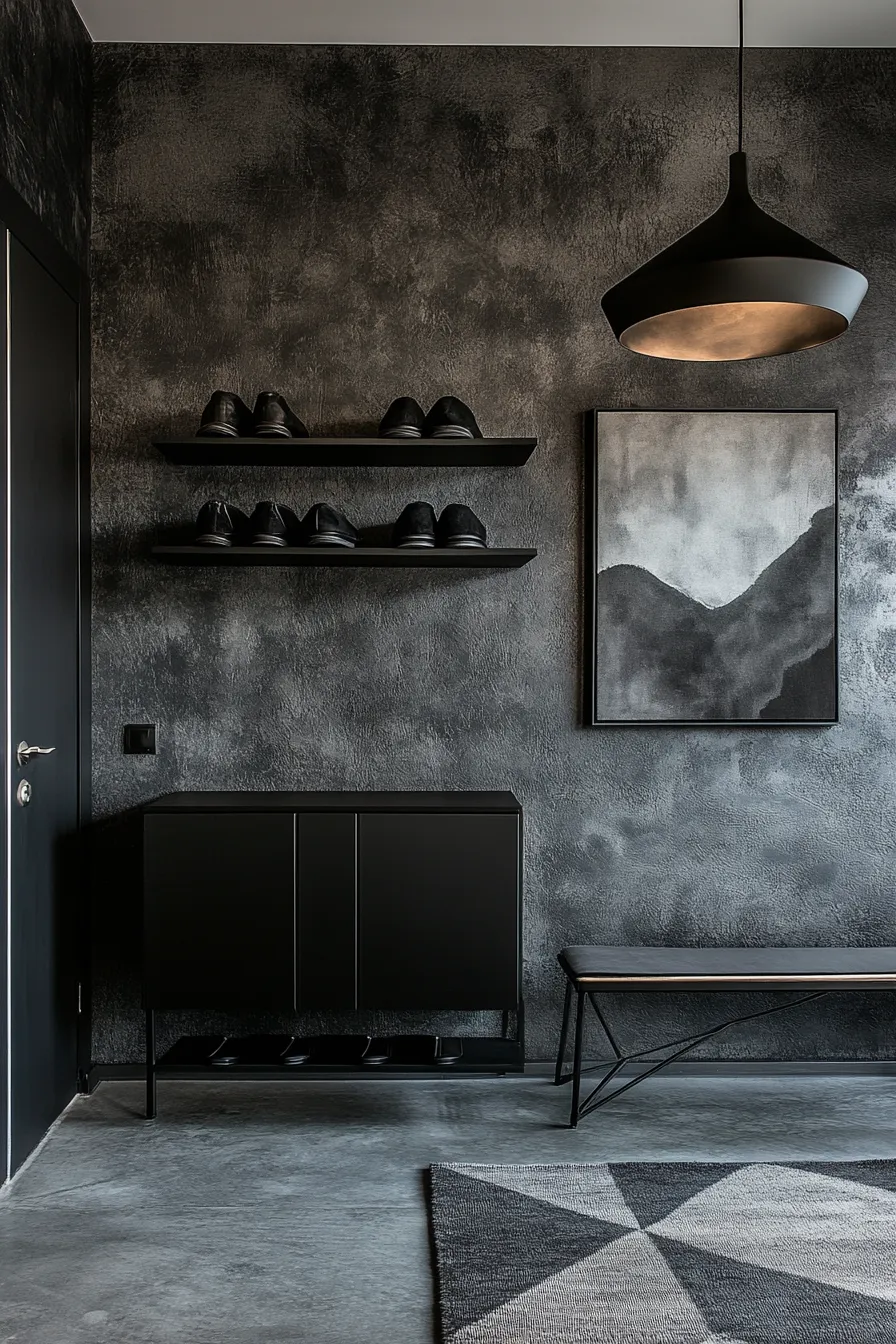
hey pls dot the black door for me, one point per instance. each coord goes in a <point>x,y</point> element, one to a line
<point>44,694</point>
<point>220,910</point>
<point>439,910</point>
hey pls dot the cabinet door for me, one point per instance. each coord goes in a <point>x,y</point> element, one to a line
<point>328,910</point>
<point>439,910</point>
<point>219,894</point>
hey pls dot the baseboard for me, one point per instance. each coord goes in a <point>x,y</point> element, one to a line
<point>747,1067</point>
<point>873,1068</point>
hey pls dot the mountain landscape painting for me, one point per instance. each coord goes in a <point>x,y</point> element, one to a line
<point>712,562</point>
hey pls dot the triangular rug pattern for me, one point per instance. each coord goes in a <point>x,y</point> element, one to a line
<point>496,1243</point>
<point>667,1253</point>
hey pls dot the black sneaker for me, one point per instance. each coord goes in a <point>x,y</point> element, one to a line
<point>226,416</point>
<point>325,526</point>
<point>451,419</point>
<point>403,420</point>
<point>273,525</point>
<point>220,524</point>
<point>416,526</point>
<point>272,418</point>
<point>459,526</point>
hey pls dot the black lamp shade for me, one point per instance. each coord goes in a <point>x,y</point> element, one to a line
<point>740,285</point>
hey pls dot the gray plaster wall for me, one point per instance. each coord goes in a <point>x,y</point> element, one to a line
<point>45,68</point>
<point>350,224</point>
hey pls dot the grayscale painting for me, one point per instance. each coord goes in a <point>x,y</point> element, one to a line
<point>713,567</point>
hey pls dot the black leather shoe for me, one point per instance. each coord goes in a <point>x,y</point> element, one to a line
<point>220,524</point>
<point>226,416</point>
<point>273,525</point>
<point>325,526</point>
<point>403,420</point>
<point>416,526</point>
<point>378,1052</point>
<point>298,1052</point>
<point>459,526</point>
<point>449,1050</point>
<point>451,419</point>
<point>272,418</point>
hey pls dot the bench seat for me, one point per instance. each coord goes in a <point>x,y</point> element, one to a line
<point>672,968</point>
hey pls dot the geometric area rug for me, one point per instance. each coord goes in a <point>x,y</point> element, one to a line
<point>666,1253</point>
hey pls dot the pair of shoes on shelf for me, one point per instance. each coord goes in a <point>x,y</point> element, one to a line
<point>446,1050</point>
<point>264,1051</point>
<point>228,417</point>
<point>457,526</point>
<point>448,419</point>
<point>221,524</point>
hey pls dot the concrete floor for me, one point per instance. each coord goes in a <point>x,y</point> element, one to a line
<point>294,1213</point>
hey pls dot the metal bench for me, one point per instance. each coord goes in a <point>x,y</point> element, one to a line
<point>591,971</point>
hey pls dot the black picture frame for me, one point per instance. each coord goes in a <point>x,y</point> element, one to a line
<point>591,669</point>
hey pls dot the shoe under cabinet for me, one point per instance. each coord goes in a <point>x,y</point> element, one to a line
<point>327,902</point>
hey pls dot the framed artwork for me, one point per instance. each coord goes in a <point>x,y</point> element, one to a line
<point>711,568</point>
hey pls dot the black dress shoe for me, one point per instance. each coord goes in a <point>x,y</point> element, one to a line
<point>325,526</point>
<point>416,526</point>
<point>226,416</point>
<point>451,419</point>
<point>378,1052</point>
<point>220,524</point>
<point>225,1055</point>
<point>403,420</point>
<point>272,525</point>
<point>459,526</point>
<point>272,418</point>
<point>449,1050</point>
<point>298,1052</point>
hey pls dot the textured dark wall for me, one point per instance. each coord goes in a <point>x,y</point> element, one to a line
<point>45,66</point>
<point>351,224</point>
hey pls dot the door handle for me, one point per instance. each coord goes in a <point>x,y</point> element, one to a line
<point>24,753</point>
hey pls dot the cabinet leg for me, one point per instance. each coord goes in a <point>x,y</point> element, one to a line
<point>150,1064</point>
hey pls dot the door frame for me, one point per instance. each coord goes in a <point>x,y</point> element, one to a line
<point>17,218</point>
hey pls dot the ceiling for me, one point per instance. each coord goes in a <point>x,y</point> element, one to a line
<point>548,23</point>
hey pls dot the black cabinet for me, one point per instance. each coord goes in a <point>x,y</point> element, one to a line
<point>329,901</point>
<point>219,902</point>
<point>439,910</point>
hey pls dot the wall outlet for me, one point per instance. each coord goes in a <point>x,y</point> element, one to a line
<point>139,739</point>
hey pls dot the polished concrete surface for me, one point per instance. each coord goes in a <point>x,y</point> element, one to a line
<point>294,1213</point>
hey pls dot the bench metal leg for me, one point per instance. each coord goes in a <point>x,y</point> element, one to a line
<point>564,1032</point>
<point>577,1060</point>
<point>595,1100</point>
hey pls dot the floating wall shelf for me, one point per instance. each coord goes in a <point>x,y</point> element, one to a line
<point>403,558</point>
<point>372,452</point>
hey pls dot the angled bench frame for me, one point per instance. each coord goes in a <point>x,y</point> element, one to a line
<point>586,987</point>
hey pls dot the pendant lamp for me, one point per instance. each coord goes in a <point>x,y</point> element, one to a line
<point>740,285</point>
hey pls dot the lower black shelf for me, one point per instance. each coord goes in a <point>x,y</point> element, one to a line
<point>412,1056</point>
<point>448,557</point>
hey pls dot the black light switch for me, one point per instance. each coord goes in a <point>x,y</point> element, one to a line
<point>139,739</point>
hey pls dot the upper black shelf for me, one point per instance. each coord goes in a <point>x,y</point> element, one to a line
<point>370,452</point>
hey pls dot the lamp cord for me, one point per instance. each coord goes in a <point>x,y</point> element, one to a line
<point>740,78</point>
